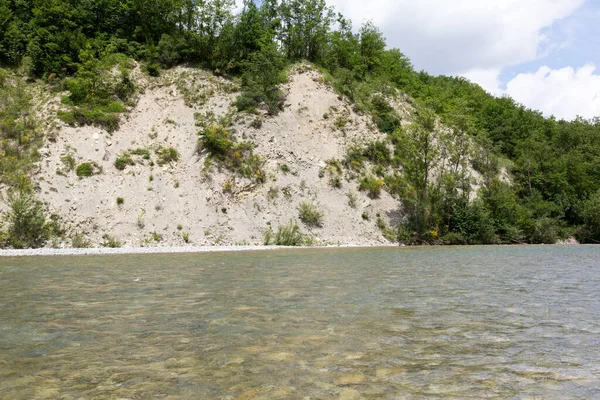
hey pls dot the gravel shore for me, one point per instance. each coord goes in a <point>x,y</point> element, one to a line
<point>150,250</point>
<point>130,250</point>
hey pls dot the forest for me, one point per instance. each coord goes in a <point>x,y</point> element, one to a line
<point>553,190</point>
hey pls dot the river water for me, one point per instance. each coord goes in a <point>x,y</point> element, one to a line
<point>432,323</point>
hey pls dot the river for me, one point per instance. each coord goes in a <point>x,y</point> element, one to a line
<point>380,323</point>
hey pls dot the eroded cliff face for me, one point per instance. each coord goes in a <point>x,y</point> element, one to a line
<point>193,201</point>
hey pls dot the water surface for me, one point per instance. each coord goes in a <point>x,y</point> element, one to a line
<point>431,323</point>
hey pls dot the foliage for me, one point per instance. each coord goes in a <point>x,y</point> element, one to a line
<point>287,235</point>
<point>310,214</point>
<point>123,160</point>
<point>111,242</point>
<point>87,169</point>
<point>372,186</point>
<point>261,78</point>
<point>79,241</point>
<point>20,136</point>
<point>235,156</point>
<point>167,155</point>
<point>26,222</point>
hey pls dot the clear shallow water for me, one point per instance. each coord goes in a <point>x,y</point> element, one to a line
<point>472,322</point>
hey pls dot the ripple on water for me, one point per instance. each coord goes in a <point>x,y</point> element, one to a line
<point>503,322</point>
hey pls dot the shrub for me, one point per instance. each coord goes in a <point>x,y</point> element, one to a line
<point>341,122</point>
<point>26,222</point>
<point>80,242</point>
<point>378,153</point>
<point>111,242</point>
<point>273,193</point>
<point>120,201</point>
<point>123,160</point>
<point>167,155</point>
<point>93,116</point>
<point>546,231</point>
<point>309,214</point>
<point>247,102</point>
<point>69,161</point>
<point>145,153</point>
<point>372,186</point>
<point>352,200</point>
<point>237,157</point>
<point>257,123</point>
<point>453,238</point>
<point>384,115</point>
<point>153,69</point>
<point>87,169</point>
<point>289,235</point>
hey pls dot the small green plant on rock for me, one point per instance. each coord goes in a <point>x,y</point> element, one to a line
<point>144,153</point>
<point>167,155</point>
<point>352,201</point>
<point>273,193</point>
<point>111,242</point>
<point>123,160</point>
<point>235,156</point>
<point>87,169</point>
<point>372,186</point>
<point>287,235</point>
<point>79,241</point>
<point>310,215</point>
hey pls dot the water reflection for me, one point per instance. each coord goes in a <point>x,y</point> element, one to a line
<point>496,322</point>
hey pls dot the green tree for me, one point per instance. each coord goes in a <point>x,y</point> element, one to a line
<point>26,221</point>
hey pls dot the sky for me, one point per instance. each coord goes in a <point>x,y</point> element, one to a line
<point>544,54</point>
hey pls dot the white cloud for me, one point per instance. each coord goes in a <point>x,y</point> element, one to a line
<point>478,39</point>
<point>564,93</point>
<point>487,79</point>
<point>451,37</point>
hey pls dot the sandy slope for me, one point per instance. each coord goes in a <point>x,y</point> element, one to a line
<point>159,200</point>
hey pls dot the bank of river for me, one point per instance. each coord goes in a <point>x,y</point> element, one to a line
<point>385,323</point>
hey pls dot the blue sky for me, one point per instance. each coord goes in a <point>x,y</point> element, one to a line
<point>574,40</point>
<point>543,53</point>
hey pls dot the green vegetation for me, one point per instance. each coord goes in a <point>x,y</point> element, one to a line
<point>287,235</point>
<point>123,160</point>
<point>87,169</point>
<point>167,155</point>
<point>111,242</point>
<point>334,168</point>
<point>97,96</point>
<point>120,201</point>
<point>20,136</point>
<point>225,152</point>
<point>372,186</point>
<point>27,225</point>
<point>144,153</point>
<point>79,241</point>
<point>309,214</point>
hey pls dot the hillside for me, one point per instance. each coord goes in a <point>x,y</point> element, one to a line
<point>212,205</point>
<point>128,125</point>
